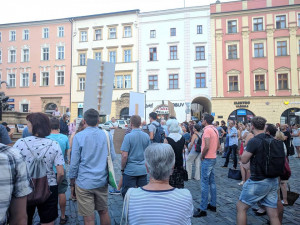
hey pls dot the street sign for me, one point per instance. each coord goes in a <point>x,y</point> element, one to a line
<point>11,100</point>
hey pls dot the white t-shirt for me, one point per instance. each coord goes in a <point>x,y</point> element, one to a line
<point>39,146</point>
<point>115,124</point>
<point>168,207</point>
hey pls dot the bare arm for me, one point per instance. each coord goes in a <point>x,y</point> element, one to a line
<point>246,157</point>
<point>17,211</point>
<point>60,173</point>
<point>151,135</point>
<point>124,160</point>
<point>192,141</point>
<point>205,149</point>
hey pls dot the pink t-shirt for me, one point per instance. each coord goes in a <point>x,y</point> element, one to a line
<point>210,132</point>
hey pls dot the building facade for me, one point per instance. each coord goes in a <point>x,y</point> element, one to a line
<point>111,37</point>
<point>35,61</point>
<point>255,60</point>
<point>174,61</point>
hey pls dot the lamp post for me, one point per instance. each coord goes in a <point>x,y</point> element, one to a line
<point>145,105</point>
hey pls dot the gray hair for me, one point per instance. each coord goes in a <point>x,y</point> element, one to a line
<point>160,160</point>
<point>173,126</point>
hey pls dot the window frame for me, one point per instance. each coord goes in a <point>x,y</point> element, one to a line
<point>124,55</point>
<point>115,55</point>
<point>42,78</point>
<point>153,80</point>
<point>259,50</point>
<point>10,56</point>
<point>59,53</point>
<point>202,53</point>
<point>255,81</point>
<point>10,35</point>
<point>43,33</point>
<point>97,35</point>
<point>23,55</point>
<point>59,31</point>
<point>81,36</point>
<point>43,53</point>
<point>22,79</point>
<point>153,53</point>
<point>200,78</point>
<point>173,32</point>
<point>80,59</point>
<point>173,52</point>
<point>255,24</point>
<point>81,83</point>
<point>110,33</point>
<point>60,77</point>
<point>285,24</point>
<point>173,79</point>
<point>231,51</point>
<point>0,57</point>
<point>152,33</point>
<point>199,29</point>
<point>9,80</point>
<point>25,34</point>
<point>124,34</point>
<point>282,47</point>
<point>230,27</point>
<point>237,81</point>
<point>96,52</point>
<point>0,36</point>
<point>278,81</point>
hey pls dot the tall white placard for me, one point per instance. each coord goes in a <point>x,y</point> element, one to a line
<point>137,104</point>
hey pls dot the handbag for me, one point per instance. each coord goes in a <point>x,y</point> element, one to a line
<point>287,170</point>
<point>124,217</point>
<point>291,196</point>
<point>291,150</point>
<point>111,172</point>
<point>234,174</point>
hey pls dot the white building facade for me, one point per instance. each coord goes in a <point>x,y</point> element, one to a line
<point>174,61</point>
<point>111,37</point>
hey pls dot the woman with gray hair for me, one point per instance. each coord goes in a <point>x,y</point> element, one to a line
<point>177,141</point>
<point>158,202</point>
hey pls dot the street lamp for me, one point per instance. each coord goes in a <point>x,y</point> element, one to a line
<point>145,105</point>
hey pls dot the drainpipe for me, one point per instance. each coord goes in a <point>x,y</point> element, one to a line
<point>71,21</point>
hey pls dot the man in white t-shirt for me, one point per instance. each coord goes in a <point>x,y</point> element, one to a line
<point>56,113</point>
<point>113,125</point>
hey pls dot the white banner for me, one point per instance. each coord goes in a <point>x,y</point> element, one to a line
<point>137,104</point>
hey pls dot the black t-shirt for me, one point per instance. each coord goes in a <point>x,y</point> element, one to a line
<point>255,147</point>
<point>288,140</point>
<point>225,129</point>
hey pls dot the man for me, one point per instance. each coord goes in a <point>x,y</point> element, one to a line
<point>258,188</point>
<point>224,127</point>
<point>63,125</point>
<point>210,144</point>
<point>233,144</point>
<point>287,135</point>
<point>221,133</point>
<point>56,113</point>
<point>14,186</point>
<point>133,162</point>
<point>4,137</point>
<point>163,124</point>
<point>153,125</point>
<point>113,125</point>
<point>89,168</point>
<point>63,142</point>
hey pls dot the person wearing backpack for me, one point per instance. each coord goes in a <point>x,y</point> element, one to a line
<point>40,155</point>
<point>156,131</point>
<point>260,187</point>
<point>194,153</point>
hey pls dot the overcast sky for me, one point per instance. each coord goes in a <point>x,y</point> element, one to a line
<point>12,11</point>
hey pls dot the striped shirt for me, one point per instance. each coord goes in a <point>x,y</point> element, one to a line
<point>168,207</point>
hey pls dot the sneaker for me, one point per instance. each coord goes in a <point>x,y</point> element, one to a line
<point>64,221</point>
<point>199,213</point>
<point>114,192</point>
<point>241,183</point>
<point>211,208</point>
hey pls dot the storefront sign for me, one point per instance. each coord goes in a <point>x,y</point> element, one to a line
<point>287,102</point>
<point>80,105</point>
<point>11,100</point>
<point>178,104</point>
<point>163,110</point>
<point>241,112</point>
<point>242,104</point>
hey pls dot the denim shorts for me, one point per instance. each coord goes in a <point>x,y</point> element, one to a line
<point>264,192</point>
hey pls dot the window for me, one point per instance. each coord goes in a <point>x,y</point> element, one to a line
<point>46,32</point>
<point>81,83</point>
<point>0,58</point>
<point>112,56</point>
<point>127,55</point>
<point>60,78</point>
<point>173,52</point>
<point>173,81</point>
<point>280,22</point>
<point>153,83</point>
<point>127,31</point>
<point>119,81</point>
<point>24,80</point>
<point>298,22</point>
<point>233,83</point>
<point>200,80</point>
<point>200,53</point>
<point>12,57</point>
<point>258,24</point>
<point>127,81</point>
<point>298,48</point>
<point>98,56</point>
<point>25,55</point>
<point>232,26</point>
<point>83,36</point>
<point>12,80</point>
<point>60,52</point>
<point>0,36</point>
<point>12,35</point>
<point>45,79</point>
<point>45,56</point>
<point>199,29</point>
<point>82,59</point>
<point>258,50</point>
<point>259,82</point>
<point>25,34</point>
<point>153,54</point>
<point>24,107</point>
<point>152,33</point>
<point>61,31</point>
<point>283,81</point>
<point>112,33</point>
<point>98,34</point>
<point>281,48</point>
<point>173,31</point>
<point>232,51</point>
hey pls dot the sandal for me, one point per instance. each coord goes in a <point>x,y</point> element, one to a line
<point>64,221</point>
<point>241,183</point>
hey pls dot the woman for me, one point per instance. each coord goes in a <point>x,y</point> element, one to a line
<point>151,203</point>
<point>194,157</point>
<point>37,145</point>
<point>245,168</point>
<point>296,138</point>
<point>177,141</point>
<point>186,133</point>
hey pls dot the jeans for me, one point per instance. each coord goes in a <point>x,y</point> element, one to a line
<point>232,149</point>
<point>208,182</point>
<point>132,182</point>
<point>193,157</point>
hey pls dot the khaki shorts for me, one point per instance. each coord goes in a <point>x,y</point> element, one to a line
<point>91,200</point>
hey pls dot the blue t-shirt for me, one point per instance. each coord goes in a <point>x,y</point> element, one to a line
<point>4,137</point>
<point>26,133</point>
<point>63,142</point>
<point>187,136</point>
<point>135,144</point>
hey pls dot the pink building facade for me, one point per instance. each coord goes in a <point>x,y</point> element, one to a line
<point>35,61</point>
<point>255,60</point>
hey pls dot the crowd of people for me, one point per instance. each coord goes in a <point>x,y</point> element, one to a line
<point>156,160</point>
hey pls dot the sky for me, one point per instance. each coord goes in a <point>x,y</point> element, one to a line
<point>12,11</point>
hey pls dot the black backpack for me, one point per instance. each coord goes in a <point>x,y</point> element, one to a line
<point>273,157</point>
<point>159,135</point>
<point>198,144</point>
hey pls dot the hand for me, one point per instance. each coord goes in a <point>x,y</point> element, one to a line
<point>202,157</point>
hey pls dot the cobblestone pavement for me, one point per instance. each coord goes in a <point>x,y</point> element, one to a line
<point>227,195</point>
